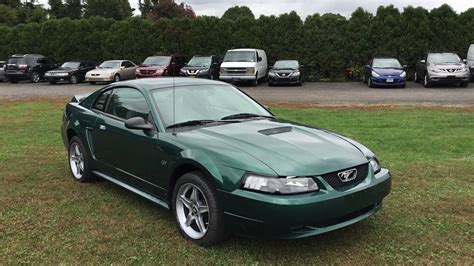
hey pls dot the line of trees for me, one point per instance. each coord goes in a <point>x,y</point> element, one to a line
<point>335,47</point>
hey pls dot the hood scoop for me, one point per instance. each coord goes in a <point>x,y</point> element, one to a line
<point>274,131</point>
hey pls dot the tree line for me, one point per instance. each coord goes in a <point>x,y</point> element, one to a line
<point>333,47</point>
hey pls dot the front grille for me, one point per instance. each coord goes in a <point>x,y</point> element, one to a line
<point>147,72</point>
<point>235,71</point>
<point>283,75</point>
<point>335,182</point>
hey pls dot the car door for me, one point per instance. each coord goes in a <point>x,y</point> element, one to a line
<point>126,154</point>
<point>130,69</point>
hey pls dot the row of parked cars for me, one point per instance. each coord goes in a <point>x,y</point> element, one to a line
<point>238,65</point>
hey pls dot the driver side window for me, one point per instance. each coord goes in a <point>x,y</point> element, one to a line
<point>126,103</point>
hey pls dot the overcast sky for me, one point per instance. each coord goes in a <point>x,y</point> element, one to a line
<point>309,7</point>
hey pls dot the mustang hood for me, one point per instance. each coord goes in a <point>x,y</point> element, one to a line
<point>287,148</point>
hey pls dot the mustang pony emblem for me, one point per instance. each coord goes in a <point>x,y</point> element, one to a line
<point>347,175</point>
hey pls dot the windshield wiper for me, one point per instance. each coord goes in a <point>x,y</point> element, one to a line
<point>191,123</point>
<point>246,115</point>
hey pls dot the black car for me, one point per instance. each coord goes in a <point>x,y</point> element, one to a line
<point>28,67</point>
<point>286,72</point>
<point>201,67</point>
<point>72,72</point>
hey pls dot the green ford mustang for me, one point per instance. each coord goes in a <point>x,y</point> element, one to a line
<point>221,161</point>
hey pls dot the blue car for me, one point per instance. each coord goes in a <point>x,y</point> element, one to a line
<point>385,72</point>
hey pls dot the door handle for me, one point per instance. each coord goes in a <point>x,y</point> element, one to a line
<point>102,127</point>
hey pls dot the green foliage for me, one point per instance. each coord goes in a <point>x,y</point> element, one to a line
<point>332,47</point>
<point>158,9</point>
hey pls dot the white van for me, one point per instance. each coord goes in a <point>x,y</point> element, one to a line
<point>470,60</point>
<point>244,65</point>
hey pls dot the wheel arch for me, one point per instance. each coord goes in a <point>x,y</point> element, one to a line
<point>187,165</point>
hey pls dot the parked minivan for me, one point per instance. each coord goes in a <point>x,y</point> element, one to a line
<point>470,60</point>
<point>244,65</point>
<point>162,65</point>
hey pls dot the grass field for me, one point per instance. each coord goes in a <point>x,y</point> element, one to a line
<point>429,217</point>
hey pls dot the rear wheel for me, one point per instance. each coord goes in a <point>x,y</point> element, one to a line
<point>79,161</point>
<point>198,214</point>
<point>35,77</point>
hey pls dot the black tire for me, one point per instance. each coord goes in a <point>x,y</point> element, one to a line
<point>369,83</point>
<point>86,174</point>
<point>35,77</point>
<point>92,82</point>
<point>73,79</point>
<point>426,81</point>
<point>415,78</point>
<point>52,82</point>
<point>216,227</point>
<point>255,82</point>
<point>117,78</point>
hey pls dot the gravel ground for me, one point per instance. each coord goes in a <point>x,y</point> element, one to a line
<point>340,93</point>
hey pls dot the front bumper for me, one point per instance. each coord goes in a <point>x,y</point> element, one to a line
<point>449,78</point>
<point>231,78</point>
<point>99,79</point>
<point>283,80</point>
<point>388,81</point>
<point>153,75</point>
<point>271,216</point>
<point>56,78</point>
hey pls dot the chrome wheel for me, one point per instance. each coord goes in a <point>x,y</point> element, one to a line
<point>192,211</point>
<point>117,78</point>
<point>35,77</point>
<point>76,160</point>
<point>73,79</point>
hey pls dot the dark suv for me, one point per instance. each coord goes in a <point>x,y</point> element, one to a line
<point>201,67</point>
<point>28,67</point>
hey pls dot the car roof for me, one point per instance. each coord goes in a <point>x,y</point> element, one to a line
<point>24,55</point>
<point>245,49</point>
<point>168,82</point>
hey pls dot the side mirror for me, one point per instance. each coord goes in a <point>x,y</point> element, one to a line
<point>464,61</point>
<point>122,67</point>
<point>259,59</point>
<point>423,61</point>
<point>368,66</point>
<point>138,123</point>
<point>405,66</point>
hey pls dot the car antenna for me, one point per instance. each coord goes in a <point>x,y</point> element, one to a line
<point>174,108</point>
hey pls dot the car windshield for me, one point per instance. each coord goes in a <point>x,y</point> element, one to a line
<point>71,65</point>
<point>291,64</point>
<point>386,63</point>
<point>240,56</point>
<point>200,62</point>
<point>110,64</point>
<point>204,102</point>
<point>157,61</point>
<point>444,58</point>
<point>16,61</point>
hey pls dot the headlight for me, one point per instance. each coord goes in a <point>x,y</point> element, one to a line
<point>182,71</point>
<point>250,70</point>
<point>159,71</point>
<point>202,72</point>
<point>63,74</point>
<point>47,74</point>
<point>295,74</point>
<point>137,71</point>
<point>275,185</point>
<point>375,164</point>
<point>272,74</point>
<point>403,75</point>
<point>375,74</point>
<point>434,70</point>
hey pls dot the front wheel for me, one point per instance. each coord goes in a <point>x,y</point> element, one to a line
<point>79,161</point>
<point>73,79</point>
<point>35,77</point>
<point>255,82</point>
<point>426,81</point>
<point>117,78</point>
<point>198,214</point>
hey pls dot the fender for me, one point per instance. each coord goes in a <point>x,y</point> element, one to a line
<point>202,161</point>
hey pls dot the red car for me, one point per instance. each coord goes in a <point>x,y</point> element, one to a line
<point>158,66</point>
